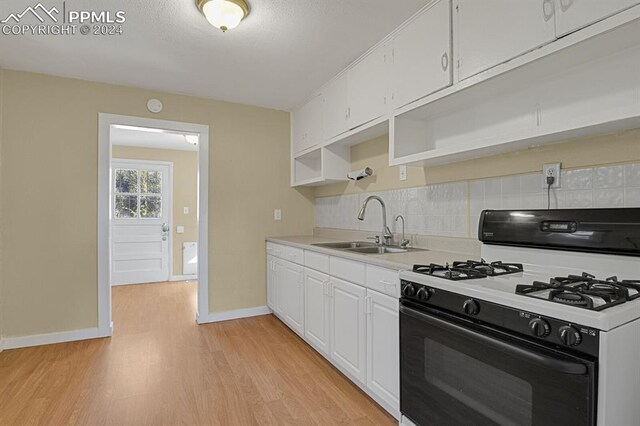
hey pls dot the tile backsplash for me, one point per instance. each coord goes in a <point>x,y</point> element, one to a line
<point>453,209</point>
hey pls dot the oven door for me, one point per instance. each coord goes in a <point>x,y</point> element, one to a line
<point>454,372</point>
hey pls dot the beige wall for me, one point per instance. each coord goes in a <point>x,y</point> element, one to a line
<point>185,192</point>
<point>49,202</point>
<point>610,149</point>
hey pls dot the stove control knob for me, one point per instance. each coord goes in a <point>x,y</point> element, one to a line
<point>539,327</point>
<point>409,290</point>
<point>570,336</point>
<point>423,294</point>
<point>471,307</point>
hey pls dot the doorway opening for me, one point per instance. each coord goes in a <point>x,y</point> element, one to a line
<point>152,209</point>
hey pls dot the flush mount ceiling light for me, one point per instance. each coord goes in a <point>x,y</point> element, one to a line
<point>224,14</point>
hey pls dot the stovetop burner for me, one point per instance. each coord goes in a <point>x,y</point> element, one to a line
<point>584,291</point>
<point>469,269</point>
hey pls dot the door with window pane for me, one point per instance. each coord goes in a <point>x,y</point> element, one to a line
<point>140,218</point>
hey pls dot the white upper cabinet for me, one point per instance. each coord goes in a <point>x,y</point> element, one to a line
<point>572,15</point>
<point>336,107</point>
<point>422,55</point>
<point>307,125</point>
<point>490,32</point>
<point>367,88</point>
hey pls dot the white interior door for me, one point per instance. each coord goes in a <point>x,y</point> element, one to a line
<point>140,221</point>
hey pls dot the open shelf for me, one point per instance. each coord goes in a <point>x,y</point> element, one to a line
<point>588,87</point>
<point>321,166</point>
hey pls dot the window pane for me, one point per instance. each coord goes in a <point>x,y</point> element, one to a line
<point>126,181</point>
<point>150,182</point>
<point>126,206</point>
<point>150,206</point>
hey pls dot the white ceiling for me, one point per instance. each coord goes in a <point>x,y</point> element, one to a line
<point>278,55</point>
<point>147,139</point>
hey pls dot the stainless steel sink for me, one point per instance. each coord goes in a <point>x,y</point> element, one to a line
<point>382,250</point>
<point>346,245</point>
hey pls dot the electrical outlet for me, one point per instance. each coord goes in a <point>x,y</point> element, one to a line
<point>551,170</point>
<point>277,214</point>
<point>179,229</point>
<point>403,172</point>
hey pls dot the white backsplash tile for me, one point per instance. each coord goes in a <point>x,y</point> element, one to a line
<point>632,197</point>
<point>606,198</point>
<point>453,209</point>
<point>632,175</point>
<point>577,179</point>
<point>608,177</point>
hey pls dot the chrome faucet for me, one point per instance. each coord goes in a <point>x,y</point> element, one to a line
<point>404,242</point>
<point>386,235</point>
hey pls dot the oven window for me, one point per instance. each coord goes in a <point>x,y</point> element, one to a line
<point>495,394</point>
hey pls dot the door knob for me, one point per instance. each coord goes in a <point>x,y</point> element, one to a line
<point>165,227</point>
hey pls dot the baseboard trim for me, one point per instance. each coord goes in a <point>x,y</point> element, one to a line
<point>184,278</point>
<point>52,338</point>
<point>231,315</point>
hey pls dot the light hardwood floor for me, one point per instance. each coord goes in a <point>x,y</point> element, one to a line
<point>161,368</point>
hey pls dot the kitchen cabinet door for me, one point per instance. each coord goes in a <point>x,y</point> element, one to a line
<point>367,88</point>
<point>575,14</point>
<point>307,125</point>
<point>316,309</point>
<point>348,328</point>
<point>271,283</point>
<point>490,32</point>
<point>292,286</point>
<point>279,289</point>
<point>383,347</point>
<point>422,55</point>
<point>335,107</point>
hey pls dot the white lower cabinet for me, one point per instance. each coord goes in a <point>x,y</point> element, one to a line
<point>348,328</point>
<point>316,310</point>
<point>271,282</point>
<point>383,361</point>
<point>290,294</point>
<point>353,326</point>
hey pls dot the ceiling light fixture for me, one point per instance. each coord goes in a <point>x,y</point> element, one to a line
<point>224,14</point>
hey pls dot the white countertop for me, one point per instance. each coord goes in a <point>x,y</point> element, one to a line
<point>398,261</point>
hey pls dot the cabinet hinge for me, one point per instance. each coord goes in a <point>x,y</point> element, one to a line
<point>459,63</point>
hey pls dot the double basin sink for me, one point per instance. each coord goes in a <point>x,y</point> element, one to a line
<point>364,247</point>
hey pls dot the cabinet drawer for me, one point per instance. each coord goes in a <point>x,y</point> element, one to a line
<point>346,269</point>
<point>317,261</point>
<point>293,254</point>
<point>383,280</point>
<point>275,249</point>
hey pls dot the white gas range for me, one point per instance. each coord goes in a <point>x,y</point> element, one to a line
<point>548,334</point>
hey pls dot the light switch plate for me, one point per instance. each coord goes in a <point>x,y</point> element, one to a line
<point>179,229</point>
<point>185,210</point>
<point>403,172</point>
<point>277,214</point>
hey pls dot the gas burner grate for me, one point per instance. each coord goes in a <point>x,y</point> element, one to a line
<point>491,269</point>
<point>469,269</point>
<point>583,291</point>
<point>449,272</point>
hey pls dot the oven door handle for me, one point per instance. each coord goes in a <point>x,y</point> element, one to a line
<point>543,360</point>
